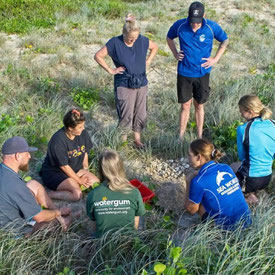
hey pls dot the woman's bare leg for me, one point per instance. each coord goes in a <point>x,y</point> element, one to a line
<point>68,189</point>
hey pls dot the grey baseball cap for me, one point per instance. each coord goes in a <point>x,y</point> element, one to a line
<point>16,145</point>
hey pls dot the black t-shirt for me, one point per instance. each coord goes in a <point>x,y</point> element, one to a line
<point>133,59</point>
<point>64,151</point>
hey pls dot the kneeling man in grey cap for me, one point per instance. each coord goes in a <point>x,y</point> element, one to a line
<point>21,202</point>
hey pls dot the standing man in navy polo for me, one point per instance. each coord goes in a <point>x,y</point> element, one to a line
<point>196,35</point>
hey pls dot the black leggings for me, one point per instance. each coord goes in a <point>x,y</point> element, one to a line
<point>252,184</point>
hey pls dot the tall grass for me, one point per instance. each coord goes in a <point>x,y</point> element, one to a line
<point>51,58</point>
<point>205,249</point>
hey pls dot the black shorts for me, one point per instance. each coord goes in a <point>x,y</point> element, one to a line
<point>196,87</point>
<point>253,184</point>
<point>52,179</point>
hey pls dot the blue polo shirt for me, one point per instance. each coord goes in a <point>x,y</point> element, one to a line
<point>256,147</point>
<point>17,204</point>
<point>195,45</point>
<point>217,188</point>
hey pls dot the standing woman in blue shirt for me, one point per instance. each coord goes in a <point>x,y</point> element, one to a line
<point>196,35</point>
<point>215,191</point>
<point>256,145</point>
<point>129,54</point>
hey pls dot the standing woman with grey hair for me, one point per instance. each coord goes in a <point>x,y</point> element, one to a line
<point>256,146</point>
<point>129,54</point>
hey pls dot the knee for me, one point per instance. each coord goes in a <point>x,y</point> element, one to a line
<point>186,105</point>
<point>94,178</point>
<point>77,195</point>
<point>35,186</point>
<point>198,107</point>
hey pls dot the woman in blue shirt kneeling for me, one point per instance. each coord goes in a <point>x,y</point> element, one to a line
<point>215,191</point>
<point>256,146</point>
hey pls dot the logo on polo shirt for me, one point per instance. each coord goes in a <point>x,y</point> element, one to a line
<point>220,177</point>
<point>202,38</point>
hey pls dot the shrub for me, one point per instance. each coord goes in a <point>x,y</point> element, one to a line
<point>87,98</point>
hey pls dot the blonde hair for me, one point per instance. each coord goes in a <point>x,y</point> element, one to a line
<point>206,149</point>
<point>253,103</point>
<point>111,168</point>
<point>130,25</point>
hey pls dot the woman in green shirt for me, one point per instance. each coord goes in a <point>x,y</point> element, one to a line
<point>115,203</point>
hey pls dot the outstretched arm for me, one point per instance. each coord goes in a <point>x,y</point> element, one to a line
<point>171,44</point>
<point>192,208</point>
<point>86,162</point>
<point>100,59</point>
<point>153,48</point>
<point>136,223</point>
<point>213,60</point>
<point>47,215</point>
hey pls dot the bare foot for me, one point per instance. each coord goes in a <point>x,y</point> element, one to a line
<point>77,214</point>
<point>65,211</point>
<point>64,222</point>
<point>138,144</point>
<point>252,199</point>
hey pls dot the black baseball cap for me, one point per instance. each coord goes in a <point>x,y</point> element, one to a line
<point>16,145</point>
<point>196,12</point>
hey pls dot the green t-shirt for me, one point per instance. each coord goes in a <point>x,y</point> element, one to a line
<point>113,209</point>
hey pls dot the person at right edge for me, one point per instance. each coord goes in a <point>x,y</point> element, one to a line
<point>196,35</point>
<point>256,146</point>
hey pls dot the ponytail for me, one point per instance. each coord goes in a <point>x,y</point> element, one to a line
<point>130,24</point>
<point>253,103</point>
<point>265,113</point>
<point>205,148</point>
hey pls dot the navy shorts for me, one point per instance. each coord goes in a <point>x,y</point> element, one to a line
<point>253,184</point>
<point>52,179</point>
<point>196,87</point>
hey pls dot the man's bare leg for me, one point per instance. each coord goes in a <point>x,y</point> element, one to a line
<point>43,199</point>
<point>41,195</point>
<point>199,115</point>
<point>184,116</point>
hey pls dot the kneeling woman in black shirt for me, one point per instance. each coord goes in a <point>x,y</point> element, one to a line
<point>65,168</point>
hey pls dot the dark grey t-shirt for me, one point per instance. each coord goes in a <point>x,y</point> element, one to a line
<point>17,204</point>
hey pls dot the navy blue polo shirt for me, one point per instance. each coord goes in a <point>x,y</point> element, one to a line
<point>17,204</point>
<point>133,59</point>
<point>195,45</point>
<point>217,188</point>
<point>256,147</point>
